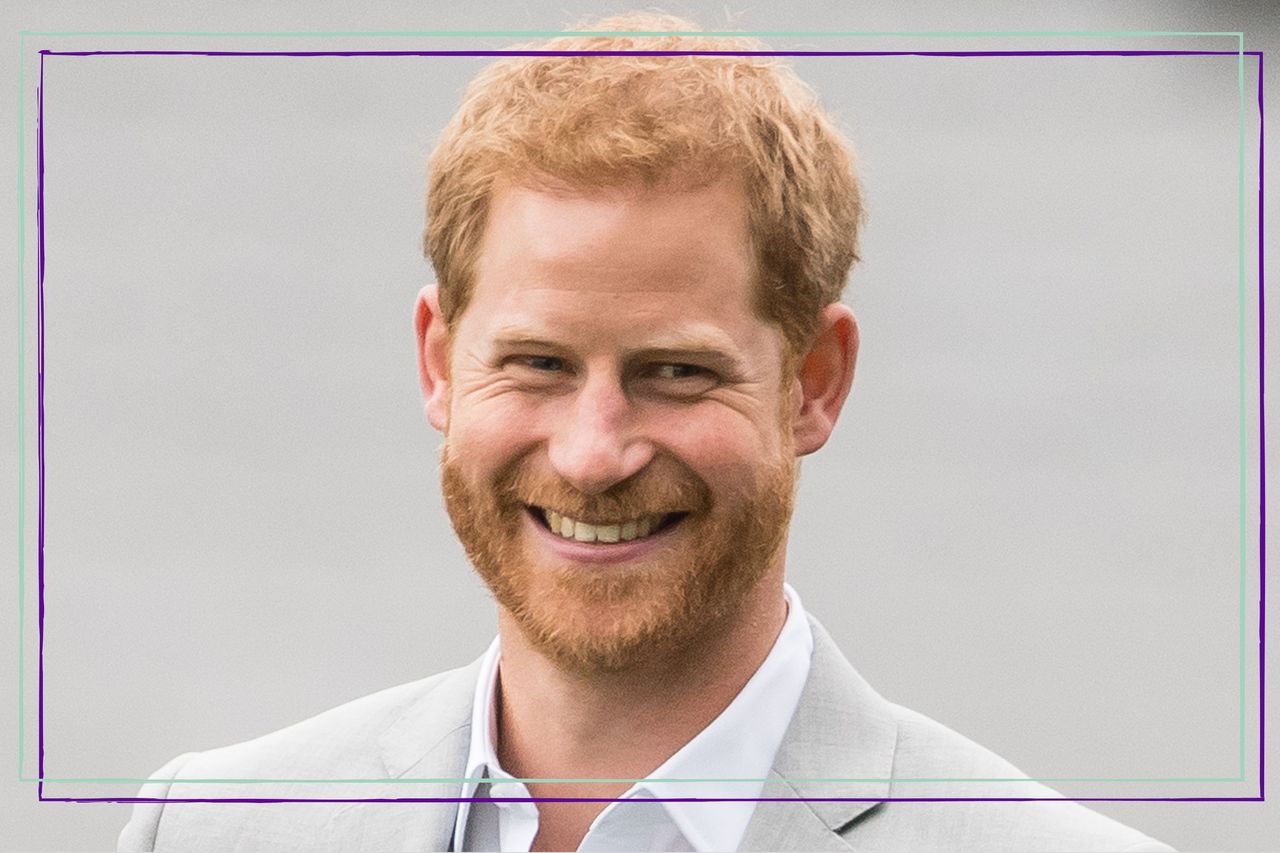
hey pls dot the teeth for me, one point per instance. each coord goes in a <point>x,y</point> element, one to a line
<point>568,528</point>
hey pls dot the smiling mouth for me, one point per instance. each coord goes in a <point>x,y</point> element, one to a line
<point>607,533</point>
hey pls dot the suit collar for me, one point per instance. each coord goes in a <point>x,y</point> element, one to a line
<point>840,745</point>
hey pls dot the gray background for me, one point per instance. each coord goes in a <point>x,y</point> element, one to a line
<point>1026,526</point>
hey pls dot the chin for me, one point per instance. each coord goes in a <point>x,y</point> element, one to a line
<point>590,622</point>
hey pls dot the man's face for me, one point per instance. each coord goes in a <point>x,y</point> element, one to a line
<point>618,459</point>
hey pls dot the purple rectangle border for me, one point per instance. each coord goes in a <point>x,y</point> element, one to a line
<point>40,272</point>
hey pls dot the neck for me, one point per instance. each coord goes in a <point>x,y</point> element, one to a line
<point>553,723</point>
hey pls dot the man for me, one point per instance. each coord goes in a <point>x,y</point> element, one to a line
<point>635,334</point>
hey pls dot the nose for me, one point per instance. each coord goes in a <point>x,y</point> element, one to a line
<point>596,446</point>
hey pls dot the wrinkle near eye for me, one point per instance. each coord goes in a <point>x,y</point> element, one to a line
<point>483,383</point>
<point>478,379</point>
<point>745,398</point>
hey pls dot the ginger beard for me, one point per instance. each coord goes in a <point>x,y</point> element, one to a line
<point>611,618</point>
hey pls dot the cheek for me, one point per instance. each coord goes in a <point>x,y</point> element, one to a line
<point>491,435</point>
<point>723,448</point>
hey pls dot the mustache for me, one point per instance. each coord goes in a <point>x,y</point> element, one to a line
<point>649,492</point>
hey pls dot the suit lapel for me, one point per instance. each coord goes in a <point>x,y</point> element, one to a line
<point>840,745</point>
<point>429,740</point>
<point>791,825</point>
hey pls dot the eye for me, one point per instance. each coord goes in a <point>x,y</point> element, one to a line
<point>542,363</point>
<point>680,371</point>
<point>679,380</point>
<point>537,371</point>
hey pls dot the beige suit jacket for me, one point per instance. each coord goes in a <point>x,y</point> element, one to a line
<point>846,751</point>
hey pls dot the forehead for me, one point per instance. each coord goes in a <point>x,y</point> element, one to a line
<point>624,259</point>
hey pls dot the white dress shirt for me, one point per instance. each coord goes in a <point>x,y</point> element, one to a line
<point>738,744</point>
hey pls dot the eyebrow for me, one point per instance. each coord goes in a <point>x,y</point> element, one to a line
<point>517,340</point>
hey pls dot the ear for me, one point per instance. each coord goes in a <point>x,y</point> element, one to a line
<point>824,377</point>
<point>433,356</point>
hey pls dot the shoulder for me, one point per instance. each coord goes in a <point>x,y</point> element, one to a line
<point>922,785</point>
<point>928,749</point>
<point>935,762</point>
<point>345,738</point>
<point>212,799</point>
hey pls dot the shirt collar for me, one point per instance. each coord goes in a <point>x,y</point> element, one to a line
<point>738,744</point>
